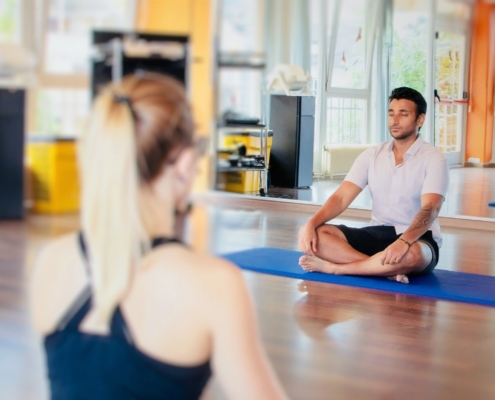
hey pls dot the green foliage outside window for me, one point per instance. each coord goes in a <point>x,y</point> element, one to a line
<point>8,20</point>
<point>449,50</point>
<point>408,61</point>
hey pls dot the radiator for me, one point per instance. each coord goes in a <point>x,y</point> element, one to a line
<point>338,158</point>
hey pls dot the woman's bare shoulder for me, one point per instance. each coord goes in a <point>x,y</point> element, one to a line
<point>53,254</point>
<point>204,272</point>
<point>186,259</point>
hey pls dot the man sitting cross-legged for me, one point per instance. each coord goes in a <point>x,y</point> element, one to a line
<point>408,180</point>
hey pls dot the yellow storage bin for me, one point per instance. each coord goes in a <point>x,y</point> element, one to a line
<point>53,167</point>
<point>242,181</point>
<point>251,140</point>
<point>245,181</point>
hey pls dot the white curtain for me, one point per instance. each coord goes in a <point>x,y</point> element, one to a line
<point>375,90</point>
<point>287,33</point>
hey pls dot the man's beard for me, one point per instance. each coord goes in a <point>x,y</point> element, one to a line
<point>403,135</point>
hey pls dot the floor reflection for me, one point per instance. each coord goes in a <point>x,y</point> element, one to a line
<point>470,191</point>
<point>341,312</point>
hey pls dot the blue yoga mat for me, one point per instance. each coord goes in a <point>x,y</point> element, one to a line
<point>441,284</point>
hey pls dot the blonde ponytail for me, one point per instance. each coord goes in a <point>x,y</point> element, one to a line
<point>135,132</point>
<point>110,217</point>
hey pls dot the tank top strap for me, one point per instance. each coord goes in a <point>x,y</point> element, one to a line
<point>84,251</point>
<point>158,241</point>
<point>81,305</point>
<point>119,326</point>
<point>77,311</point>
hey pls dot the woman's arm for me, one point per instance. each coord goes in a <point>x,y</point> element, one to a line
<point>55,281</point>
<point>239,360</point>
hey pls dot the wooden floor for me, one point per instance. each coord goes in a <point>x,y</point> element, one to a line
<point>325,341</point>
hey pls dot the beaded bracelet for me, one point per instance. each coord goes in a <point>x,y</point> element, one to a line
<point>406,242</point>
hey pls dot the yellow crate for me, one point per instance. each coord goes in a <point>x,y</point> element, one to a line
<point>245,181</point>
<point>252,142</point>
<point>242,181</point>
<point>53,167</point>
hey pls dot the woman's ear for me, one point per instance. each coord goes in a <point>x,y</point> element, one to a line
<point>184,170</point>
<point>185,166</point>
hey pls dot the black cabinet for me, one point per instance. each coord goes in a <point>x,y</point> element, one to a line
<point>108,63</point>
<point>11,153</point>
<point>292,121</point>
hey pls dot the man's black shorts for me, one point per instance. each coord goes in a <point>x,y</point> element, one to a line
<point>373,239</point>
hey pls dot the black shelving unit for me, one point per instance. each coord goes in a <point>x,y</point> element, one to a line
<point>251,62</point>
<point>110,61</point>
<point>263,146</point>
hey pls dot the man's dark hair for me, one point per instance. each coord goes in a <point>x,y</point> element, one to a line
<point>410,94</point>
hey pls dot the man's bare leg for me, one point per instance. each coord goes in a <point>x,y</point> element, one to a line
<point>333,246</point>
<point>417,258</point>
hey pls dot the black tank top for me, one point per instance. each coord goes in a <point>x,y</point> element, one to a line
<point>91,366</point>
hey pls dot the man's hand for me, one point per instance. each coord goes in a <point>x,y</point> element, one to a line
<point>394,253</point>
<point>308,240</point>
<point>335,204</point>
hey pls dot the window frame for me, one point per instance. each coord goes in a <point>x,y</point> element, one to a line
<point>374,26</point>
<point>45,79</point>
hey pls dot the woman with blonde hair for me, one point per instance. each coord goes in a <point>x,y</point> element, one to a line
<point>126,310</point>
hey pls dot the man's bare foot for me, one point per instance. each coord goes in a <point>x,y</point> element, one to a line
<point>399,278</point>
<point>315,264</point>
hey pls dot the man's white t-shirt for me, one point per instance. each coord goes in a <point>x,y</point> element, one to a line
<point>396,190</point>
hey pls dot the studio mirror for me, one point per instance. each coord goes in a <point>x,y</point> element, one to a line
<point>356,52</point>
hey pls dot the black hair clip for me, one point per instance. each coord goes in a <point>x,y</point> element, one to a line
<point>119,98</point>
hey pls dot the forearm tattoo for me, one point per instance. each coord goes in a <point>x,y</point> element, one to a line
<point>422,218</point>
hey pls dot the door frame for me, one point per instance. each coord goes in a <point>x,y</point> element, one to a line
<point>461,27</point>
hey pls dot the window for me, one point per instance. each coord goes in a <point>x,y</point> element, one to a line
<point>10,21</point>
<point>351,38</point>
<point>349,59</point>
<point>61,112</point>
<point>346,120</point>
<point>314,37</point>
<point>350,52</point>
<point>454,9</point>
<point>240,91</point>
<point>62,99</point>
<point>68,32</point>
<point>240,26</point>
<point>452,27</point>
<point>410,44</point>
<point>241,45</point>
